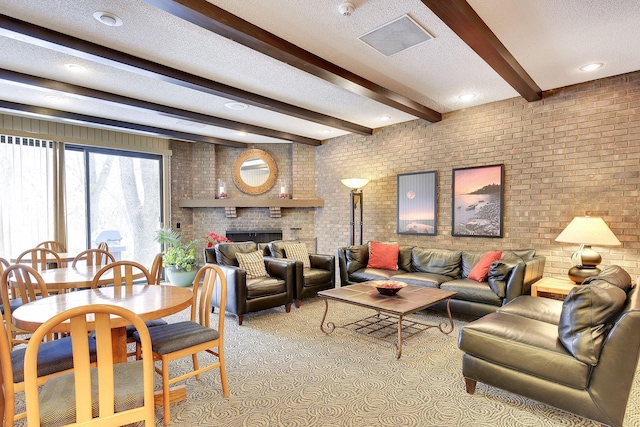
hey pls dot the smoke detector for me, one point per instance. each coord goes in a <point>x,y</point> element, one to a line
<point>346,8</point>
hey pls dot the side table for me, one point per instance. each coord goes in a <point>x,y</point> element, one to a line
<point>553,285</point>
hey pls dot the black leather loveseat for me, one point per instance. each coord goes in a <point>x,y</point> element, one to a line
<point>509,277</point>
<point>579,355</point>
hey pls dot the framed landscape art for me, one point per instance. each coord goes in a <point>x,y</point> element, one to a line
<point>477,201</point>
<point>417,203</point>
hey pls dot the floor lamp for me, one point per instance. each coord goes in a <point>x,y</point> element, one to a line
<point>356,184</point>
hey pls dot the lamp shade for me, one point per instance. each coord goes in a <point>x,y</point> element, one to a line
<point>355,183</point>
<point>589,231</point>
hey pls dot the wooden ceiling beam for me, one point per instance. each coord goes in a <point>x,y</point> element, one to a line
<point>219,21</point>
<point>65,116</point>
<point>126,102</point>
<point>43,37</point>
<point>465,22</point>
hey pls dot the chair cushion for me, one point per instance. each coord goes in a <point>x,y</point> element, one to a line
<point>298,252</point>
<point>14,304</point>
<point>252,263</point>
<point>58,397</point>
<point>226,252</point>
<point>383,255</point>
<point>265,286</point>
<point>150,324</point>
<point>612,274</point>
<point>480,271</point>
<point>53,356</point>
<point>176,336</point>
<point>588,313</point>
<point>316,276</point>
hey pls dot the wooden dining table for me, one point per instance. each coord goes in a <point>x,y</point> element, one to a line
<point>80,276</point>
<point>147,301</point>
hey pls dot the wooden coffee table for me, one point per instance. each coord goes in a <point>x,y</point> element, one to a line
<point>391,310</point>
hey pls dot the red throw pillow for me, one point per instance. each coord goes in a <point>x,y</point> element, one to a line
<point>383,255</point>
<point>480,271</point>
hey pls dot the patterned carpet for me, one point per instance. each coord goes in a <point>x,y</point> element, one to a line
<point>283,371</point>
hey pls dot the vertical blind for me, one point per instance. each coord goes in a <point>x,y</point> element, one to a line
<point>28,210</point>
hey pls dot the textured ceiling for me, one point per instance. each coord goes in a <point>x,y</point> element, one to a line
<point>550,39</point>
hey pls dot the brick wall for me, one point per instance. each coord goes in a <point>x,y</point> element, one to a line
<point>196,168</point>
<point>575,152</point>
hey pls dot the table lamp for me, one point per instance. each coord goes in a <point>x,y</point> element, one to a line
<point>355,184</point>
<point>586,231</point>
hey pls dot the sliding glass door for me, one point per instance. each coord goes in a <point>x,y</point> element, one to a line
<point>116,197</point>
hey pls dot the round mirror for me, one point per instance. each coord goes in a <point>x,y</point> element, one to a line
<point>254,171</point>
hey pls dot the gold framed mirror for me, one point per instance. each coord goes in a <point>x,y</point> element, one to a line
<point>254,171</point>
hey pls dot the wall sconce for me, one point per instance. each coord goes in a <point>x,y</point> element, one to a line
<point>356,184</point>
<point>586,231</point>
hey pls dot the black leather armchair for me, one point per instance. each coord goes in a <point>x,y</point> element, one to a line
<point>321,275</point>
<point>250,295</point>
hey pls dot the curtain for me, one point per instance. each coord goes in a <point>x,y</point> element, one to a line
<point>59,199</point>
<point>26,196</point>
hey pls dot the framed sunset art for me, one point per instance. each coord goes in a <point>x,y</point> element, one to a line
<point>417,203</point>
<point>477,203</point>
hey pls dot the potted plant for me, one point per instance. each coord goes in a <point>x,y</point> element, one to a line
<point>178,259</point>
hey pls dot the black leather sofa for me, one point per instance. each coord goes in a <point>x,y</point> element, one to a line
<point>509,277</point>
<point>249,295</point>
<point>320,276</point>
<point>579,355</point>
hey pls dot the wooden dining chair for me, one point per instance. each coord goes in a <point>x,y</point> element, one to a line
<point>15,303</point>
<point>124,273</point>
<point>53,245</point>
<point>177,340</point>
<point>96,257</point>
<point>156,269</point>
<point>108,394</point>
<point>103,246</point>
<point>26,285</point>
<point>40,258</point>
<point>54,358</point>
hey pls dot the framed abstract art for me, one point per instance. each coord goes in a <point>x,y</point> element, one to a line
<point>417,194</point>
<point>477,201</point>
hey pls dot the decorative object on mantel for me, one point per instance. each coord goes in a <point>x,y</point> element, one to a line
<point>586,231</point>
<point>355,184</point>
<point>222,191</point>
<point>284,191</point>
<point>254,171</point>
<point>213,238</point>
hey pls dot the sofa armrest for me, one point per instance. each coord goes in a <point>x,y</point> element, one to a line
<point>323,262</point>
<point>342,266</point>
<point>284,269</point>
<point>236,289</point>
<point>534,269</point>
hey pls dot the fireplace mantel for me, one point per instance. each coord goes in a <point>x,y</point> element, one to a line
<point>230,205</point>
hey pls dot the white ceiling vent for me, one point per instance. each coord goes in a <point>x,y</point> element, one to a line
<point>396,36</point>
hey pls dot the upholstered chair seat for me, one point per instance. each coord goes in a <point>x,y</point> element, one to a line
<point>273,286</point>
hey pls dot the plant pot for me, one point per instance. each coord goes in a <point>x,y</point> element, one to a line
<point>179,277</point>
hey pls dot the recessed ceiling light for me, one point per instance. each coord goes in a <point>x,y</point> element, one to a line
<point>75,68</point>
<point>467,96</point>
<point>108,19</point>
<point>236,106</point>
<point>591,67</point>
<point>241,133</point>
<point>385,118</point>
